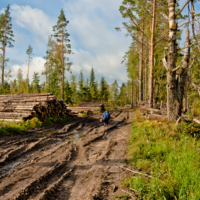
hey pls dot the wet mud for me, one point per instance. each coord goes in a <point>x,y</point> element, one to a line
<point>72,160</point>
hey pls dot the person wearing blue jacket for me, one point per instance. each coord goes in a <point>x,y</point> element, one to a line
<point>106,117</point>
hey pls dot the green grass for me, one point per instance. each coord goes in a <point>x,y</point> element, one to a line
<point>97,111</point>
<point>170,155</point>
<point>110,108</point>
<point>124,196</point>
<point>82,115</point>
<point>18,127</point>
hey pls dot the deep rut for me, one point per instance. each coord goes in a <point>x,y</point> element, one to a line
<point>53,165</point>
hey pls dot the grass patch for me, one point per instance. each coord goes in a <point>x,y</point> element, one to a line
<point>97,111</point>
<point>110,108</point>
<point>18,127</point>
<point>170,153</point>
<point>124,196</point>
<point>82,115</point>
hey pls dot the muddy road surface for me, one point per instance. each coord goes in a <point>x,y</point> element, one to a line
<point>79,159</point>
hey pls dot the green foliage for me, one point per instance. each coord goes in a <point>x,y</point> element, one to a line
<point>62,37</point>
<point>36,83</point>
<point>110,108</point>
<point>171,154</point>
<point>104,93</point>
<point>123,196</point>
<point>93,86</point>
<point>82,115</point>
<point>18,127</point>
<point>53,120</point>
<point>6,28</point>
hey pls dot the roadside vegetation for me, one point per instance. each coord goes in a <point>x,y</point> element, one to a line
<point>169,155</point>
<point>18,127</point>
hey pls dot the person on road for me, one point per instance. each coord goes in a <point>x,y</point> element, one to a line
<point>106,117</point>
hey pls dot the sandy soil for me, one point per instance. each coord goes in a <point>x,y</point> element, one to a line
<point>79,159</point>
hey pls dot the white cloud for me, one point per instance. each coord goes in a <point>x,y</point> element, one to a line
<point>32,19</point>
<point>97,43</point>
<point>36,65</point>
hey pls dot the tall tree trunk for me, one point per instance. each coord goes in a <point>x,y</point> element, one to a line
<point>145,79</point>
<point>28,74</point>
<point>182,77</point>
<point>172,100</point>
<point>63,71</point>
<point>3,63</point>
<point>140,67</point>
<point>152,56</point>
<point>131,92</point>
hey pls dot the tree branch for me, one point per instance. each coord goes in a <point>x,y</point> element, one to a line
<point>139,41</point>
<point>137,25</point>
<point>186,47</point>
<point>165,16</point>
<point>178,66</point>
<point>165,62</point>
<point>182,7</point>
<point>191,65</point>
<point>161,37</point>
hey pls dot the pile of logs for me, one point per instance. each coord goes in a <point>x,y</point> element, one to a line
<point>86,107</point>
<point>27,106</point>
<point>151,113</point>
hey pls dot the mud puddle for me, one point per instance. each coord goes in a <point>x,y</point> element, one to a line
<point>76,136</point>
<point>10,167</point>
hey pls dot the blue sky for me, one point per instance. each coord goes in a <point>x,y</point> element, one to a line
<point>94,40</point>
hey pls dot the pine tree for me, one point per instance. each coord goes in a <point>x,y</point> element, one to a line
<point>62,36</point>
<point>6,37</point>
<point>123,95</point>
<point>81,85</point>
<point>29,52</point>
<point>20,82</point>
<point>73,86</point>
<point>68,93</point>
<point>49,64</point>
<point>114,93</point>
<point>36,83</point>
<point>93,86</point>
<point>103,94</point>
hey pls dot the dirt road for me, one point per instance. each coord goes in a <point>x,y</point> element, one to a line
<point>74,160</point>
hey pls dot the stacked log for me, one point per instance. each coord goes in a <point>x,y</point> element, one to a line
<point>27,106</point>
<point>86,107</point>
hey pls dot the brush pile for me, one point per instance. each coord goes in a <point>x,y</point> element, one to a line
<point>27,106</point>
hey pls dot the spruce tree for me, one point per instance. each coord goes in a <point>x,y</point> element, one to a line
<point>6,37</point>
<point>93,86</point>
<point>103,90</point>
<point>114,92</point>
<point>36,83</point>
<point>62,36</point>
<point>81,85</point>
<point>29,52</point>
<point>68,93</point>
<point>73,85</point>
